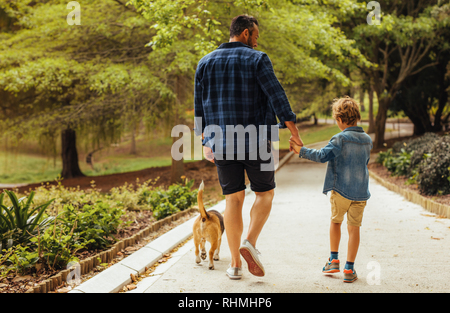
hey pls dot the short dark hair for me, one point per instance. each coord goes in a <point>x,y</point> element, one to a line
<point>241,23</point>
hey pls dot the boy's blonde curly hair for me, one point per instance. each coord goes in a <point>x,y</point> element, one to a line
<point>347,110</point>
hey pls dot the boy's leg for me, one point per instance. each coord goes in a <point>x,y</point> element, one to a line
<point>332,265</point>
<point>353,242</point>
<point>335,236</point>
<point>354,218</point>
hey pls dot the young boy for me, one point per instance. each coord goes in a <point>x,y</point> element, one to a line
<point>347,178</point>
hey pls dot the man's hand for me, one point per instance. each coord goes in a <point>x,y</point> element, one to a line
<point>293,146</point>
<point>295,137</point>
<point>209,155</point>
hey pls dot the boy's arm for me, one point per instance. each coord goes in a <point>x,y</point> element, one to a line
<point>330,151</point>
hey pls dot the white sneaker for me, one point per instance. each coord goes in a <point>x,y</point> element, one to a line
<point>251,255</point>
<point>234,272</point>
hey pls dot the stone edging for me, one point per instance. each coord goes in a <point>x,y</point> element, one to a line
<point>106,256</point>
<point>427,204</point>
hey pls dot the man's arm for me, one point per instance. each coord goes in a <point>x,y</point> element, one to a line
<point>295,137</point>
<point>274,91</point>
<point>277,98</point>
<point>199,119</point>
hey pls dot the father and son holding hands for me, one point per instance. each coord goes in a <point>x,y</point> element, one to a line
<point>236,85</point>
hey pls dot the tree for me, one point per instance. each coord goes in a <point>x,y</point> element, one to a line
<point>82,81</point>
<point>299,36</point>
<point>408,31</point>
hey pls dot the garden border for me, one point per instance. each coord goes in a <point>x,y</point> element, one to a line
<point>427,204</point>
<point>106,256</point>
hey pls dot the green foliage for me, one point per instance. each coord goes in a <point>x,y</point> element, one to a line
<point>23,260</point>
<point>21,221</point>
<point>433,170</point>
<point>58,245</point>
<point>176,198</point>
<point>425,160</point>
<point>96,223</point>
<point>397,164</point>
<point>78,220</point>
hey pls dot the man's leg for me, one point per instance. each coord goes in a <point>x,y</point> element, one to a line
<point>234,224</point>
<point>259,214</point>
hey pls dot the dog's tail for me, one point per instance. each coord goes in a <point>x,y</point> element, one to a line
<point>201,207</point>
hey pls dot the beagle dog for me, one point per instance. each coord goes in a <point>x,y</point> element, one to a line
<point>208,226</point>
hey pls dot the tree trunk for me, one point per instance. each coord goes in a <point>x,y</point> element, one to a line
<point>371,121</point>
<point>133,150</point>
<point>69,155</point>
<point>380,122</point>
<point>361,98</point>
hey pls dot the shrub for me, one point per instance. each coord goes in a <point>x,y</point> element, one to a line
<point>433,170</point>
<point>425,160</point>
<point>398,164</point>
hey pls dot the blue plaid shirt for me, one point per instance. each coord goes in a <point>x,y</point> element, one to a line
<point>236,85</point>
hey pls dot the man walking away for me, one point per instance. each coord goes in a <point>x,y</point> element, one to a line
<point>236,85</point>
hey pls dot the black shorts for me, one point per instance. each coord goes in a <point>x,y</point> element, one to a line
<point>232,176</point>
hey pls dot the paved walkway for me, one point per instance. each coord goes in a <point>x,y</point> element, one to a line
<point>403,247</point>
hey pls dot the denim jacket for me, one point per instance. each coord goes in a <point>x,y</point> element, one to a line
<point>347,154</point>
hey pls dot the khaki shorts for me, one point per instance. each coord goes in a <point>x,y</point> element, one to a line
<point>341,205</point>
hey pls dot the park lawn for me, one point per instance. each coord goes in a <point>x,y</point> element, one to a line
<point>17,168</point>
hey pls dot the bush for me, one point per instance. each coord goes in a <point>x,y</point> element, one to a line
<point>433,170</point>
<point>425,160</point>
<point>398,164</point>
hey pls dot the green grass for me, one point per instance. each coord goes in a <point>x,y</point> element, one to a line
<point>31,168</point>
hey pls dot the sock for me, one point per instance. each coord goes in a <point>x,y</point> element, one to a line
<point>333,255</point>
<point>349,265</point>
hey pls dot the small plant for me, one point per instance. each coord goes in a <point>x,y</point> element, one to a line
<point>20,221</point>
<point>177,198</point>
<point>95,223</point>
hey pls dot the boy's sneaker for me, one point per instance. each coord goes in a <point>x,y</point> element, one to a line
<point>331,267</point>
<point>251,255</point>
<point>350,276</point>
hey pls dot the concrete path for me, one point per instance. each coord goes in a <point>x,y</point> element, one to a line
<point>403,247</point>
